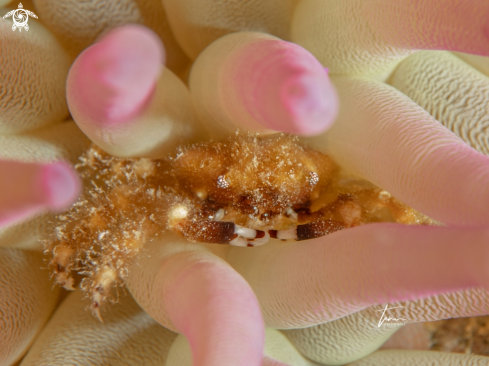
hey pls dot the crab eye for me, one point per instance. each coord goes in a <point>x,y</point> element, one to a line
<point>222,182</point>
<point>313,178</point>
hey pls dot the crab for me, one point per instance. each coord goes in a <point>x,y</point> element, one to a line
<point>244,192</point>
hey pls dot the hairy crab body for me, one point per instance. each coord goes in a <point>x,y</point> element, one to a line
<point>241,192</point>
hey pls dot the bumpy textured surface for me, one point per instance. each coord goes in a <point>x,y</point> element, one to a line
<point>78,23</point>
<point>464,303</point>
<point>420,358</point>
<point>26,302</point>
<point>338,34</point>
<point>128,337</point>
<point>451,91</point>
<point>344,340</point>
<point>387,138</point>
<point>356,335</point>
<point>33,78</point>
<point>197,23</point>
<point>368,37</point>
<point>62,142</point>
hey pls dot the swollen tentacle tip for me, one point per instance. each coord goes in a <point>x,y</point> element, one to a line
<point>113,79</point>
<point>61,185</point>
<point>35,187</point>
<point>278,86</point>
<point>311,103</point>
<point>293,94</point>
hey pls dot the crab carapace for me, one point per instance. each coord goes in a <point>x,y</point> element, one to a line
<point>241,192</point>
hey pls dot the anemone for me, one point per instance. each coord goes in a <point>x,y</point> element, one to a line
<point>402,103</point>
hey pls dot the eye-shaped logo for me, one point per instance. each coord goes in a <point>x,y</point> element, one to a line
<point>20,18</point>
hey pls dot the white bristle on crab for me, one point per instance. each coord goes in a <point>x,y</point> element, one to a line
<point>219,215</point>
<point>291,213</point>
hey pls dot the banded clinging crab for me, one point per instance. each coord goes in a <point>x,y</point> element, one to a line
<point>241,192</point>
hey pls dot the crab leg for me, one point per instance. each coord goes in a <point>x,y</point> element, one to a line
<point>220,232</point>
<point>308,231</point>
<point>223,232</point>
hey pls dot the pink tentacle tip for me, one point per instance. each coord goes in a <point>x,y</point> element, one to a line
<point>114,78</point>
<point>311,103</point>
<point>60,184</point>
<point>286,88</point>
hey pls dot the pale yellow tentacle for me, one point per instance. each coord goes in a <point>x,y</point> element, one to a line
<point>27,299</point>
<point>128,336</point>
<point>32,79</point>
<point>451,91</point>
<point>420,358</point>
